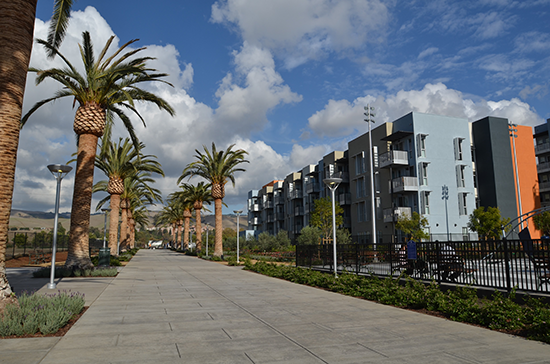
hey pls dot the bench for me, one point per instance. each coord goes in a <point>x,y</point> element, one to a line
<point>450,267</point>
<point>541,263</point>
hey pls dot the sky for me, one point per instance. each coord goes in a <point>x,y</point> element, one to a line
<point>287,80</point>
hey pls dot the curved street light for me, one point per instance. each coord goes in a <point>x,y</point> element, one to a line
<point>59,171</point>
<point>333,183</point>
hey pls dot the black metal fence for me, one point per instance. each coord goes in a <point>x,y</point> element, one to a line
<point>506,264</point>
<point>32,242</point>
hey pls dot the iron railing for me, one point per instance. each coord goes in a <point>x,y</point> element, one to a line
<point>505,264</point>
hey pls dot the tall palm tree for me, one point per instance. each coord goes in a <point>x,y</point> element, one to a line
<point>110,84</point>
<point>199,195</point>
<point>217,167</point>
<point>17,18</point>
<point>118,162</point>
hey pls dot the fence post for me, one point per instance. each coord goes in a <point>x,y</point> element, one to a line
<point>438,260</point>
<point>507,262</point>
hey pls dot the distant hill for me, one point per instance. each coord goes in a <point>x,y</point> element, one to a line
<point>44,220</point>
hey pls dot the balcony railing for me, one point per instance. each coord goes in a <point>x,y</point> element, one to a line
<point>390,216</point>
<point>255,207</point>
<point>312,187</point>
<point>268,204</point>
<point>543,167</point>
<point>295,194</point>
<point>544,186</point>
<point>405,184</point>
<point>542,148</point>
<point>255,221</point>
<point>298,211</point>
<point>394,158</point>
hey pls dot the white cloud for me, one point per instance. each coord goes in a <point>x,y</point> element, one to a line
<point>300,30</point>
<point>342,118</point>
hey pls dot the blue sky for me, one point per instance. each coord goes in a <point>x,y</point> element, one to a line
<point>287,80</point>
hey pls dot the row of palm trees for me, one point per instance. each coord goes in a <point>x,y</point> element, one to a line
<point>218,167</point>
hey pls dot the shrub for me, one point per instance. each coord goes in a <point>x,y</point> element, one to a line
<point>40,313</point>
<point>61,272</point>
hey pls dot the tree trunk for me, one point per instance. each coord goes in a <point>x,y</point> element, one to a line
<point>79,254</point>
<point>16,36</point>
<point>113,223</point>
<point>218,242</point>
<point>198,229</point>
<point>132,226</point>
<point>174,237</point>
<point>186,232</point>
<point>179,236</point>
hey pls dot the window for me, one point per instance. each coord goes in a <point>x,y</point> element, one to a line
<point>462,204</point>
<point>425,203</point>
<point>360,164</point>
<point>360,187</point>
<point>460,176</point>
<point>423,173</point>
<point>361,212</point>
<point>421,145</point>
<point>458,148</point>
<point>375,156</point>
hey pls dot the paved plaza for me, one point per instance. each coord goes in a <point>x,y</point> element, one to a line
<point>165,307</point>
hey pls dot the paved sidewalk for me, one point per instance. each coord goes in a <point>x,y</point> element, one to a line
<point>168,308</point>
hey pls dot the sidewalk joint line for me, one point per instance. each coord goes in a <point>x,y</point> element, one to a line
<point>249,358</point>
<point>229,336</point>
<point>374,351</point>
<point>178,349</point>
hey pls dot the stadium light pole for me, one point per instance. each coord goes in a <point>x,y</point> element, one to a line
<point>333,183</point>
<point>369,115</point>
<point>238,212</point>
<point>59,171</point>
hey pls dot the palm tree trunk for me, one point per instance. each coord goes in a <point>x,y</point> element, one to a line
<point>179,236</point>
<point>218,243</point>
<point>16,37</point>
<point>174,234</point>
<point>186,233</point>
<point>123,228</point>
<point>79,254</point>
<point>198,229</point>
<point>132,233</point>
<point>113,223</point>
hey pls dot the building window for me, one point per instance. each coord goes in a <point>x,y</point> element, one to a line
<point>462,204</point>
<point>360,187</point>
<point>361,212</point>
<point>421,145</point>
<point>425,203</point>
<point>359,164</point>
<point>458,148</point>
<point>460,182</point>
<point>423,173</point>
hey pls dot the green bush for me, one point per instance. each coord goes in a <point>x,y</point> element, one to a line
<point>530,319</point>
<point>113,261</point>
<point>61,272</point>
<point>40,313</point>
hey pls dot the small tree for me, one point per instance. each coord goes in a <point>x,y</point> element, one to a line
<point>321,217</point>
<point>309,235</point>
<point>343,236</point>
<point>542,222</point>
<point>487,223</point>
<point>413,226</point>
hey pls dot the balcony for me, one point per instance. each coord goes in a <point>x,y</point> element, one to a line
<point>405,184</point>
<point>279,200</point>
<point>542,148</point>
<point>398,211</point>
<point>298,211</point>
<point>544,186</point>
<point>268,204</point>
<point>394,158</point>
<point>280,216</point>
<point>255,221</point>
<point>543,167</point>
<point>270,218</point>
<point>295,194</point>
<point>255,208</point>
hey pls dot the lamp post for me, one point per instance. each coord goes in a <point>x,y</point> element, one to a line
<point>59,171</point>
<point>513,134</point>
<point>369,115</point>
<point>238,212</point>
<point>207,229</point>
<point>105,226</point>
<point>445,196</point>
<point>332,183</point>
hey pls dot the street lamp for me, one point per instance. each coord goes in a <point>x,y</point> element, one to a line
<point>207,229</point>
<point>105,226</point>
<point>238,212</point>
<point>369,115</point>
<point>445,196</point>
<point>59,171</point>
<point>332,183</point>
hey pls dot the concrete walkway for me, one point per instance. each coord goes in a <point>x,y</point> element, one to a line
<point>168,308</point>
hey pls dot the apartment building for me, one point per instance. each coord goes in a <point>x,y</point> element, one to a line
<point>542,152</point>
<point>438,166</point>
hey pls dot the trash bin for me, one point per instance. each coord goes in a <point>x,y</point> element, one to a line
<point>104,257</point>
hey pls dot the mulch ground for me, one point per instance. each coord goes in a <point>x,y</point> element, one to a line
<point>18,262</point>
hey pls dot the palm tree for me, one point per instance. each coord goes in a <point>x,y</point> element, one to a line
<point>217,167</point>
<point>199,195</point>
<point>185,204</point>
<point>118,162</point>
<point>17,19</point>
<point>108,85</point>
<point>169,215</point>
